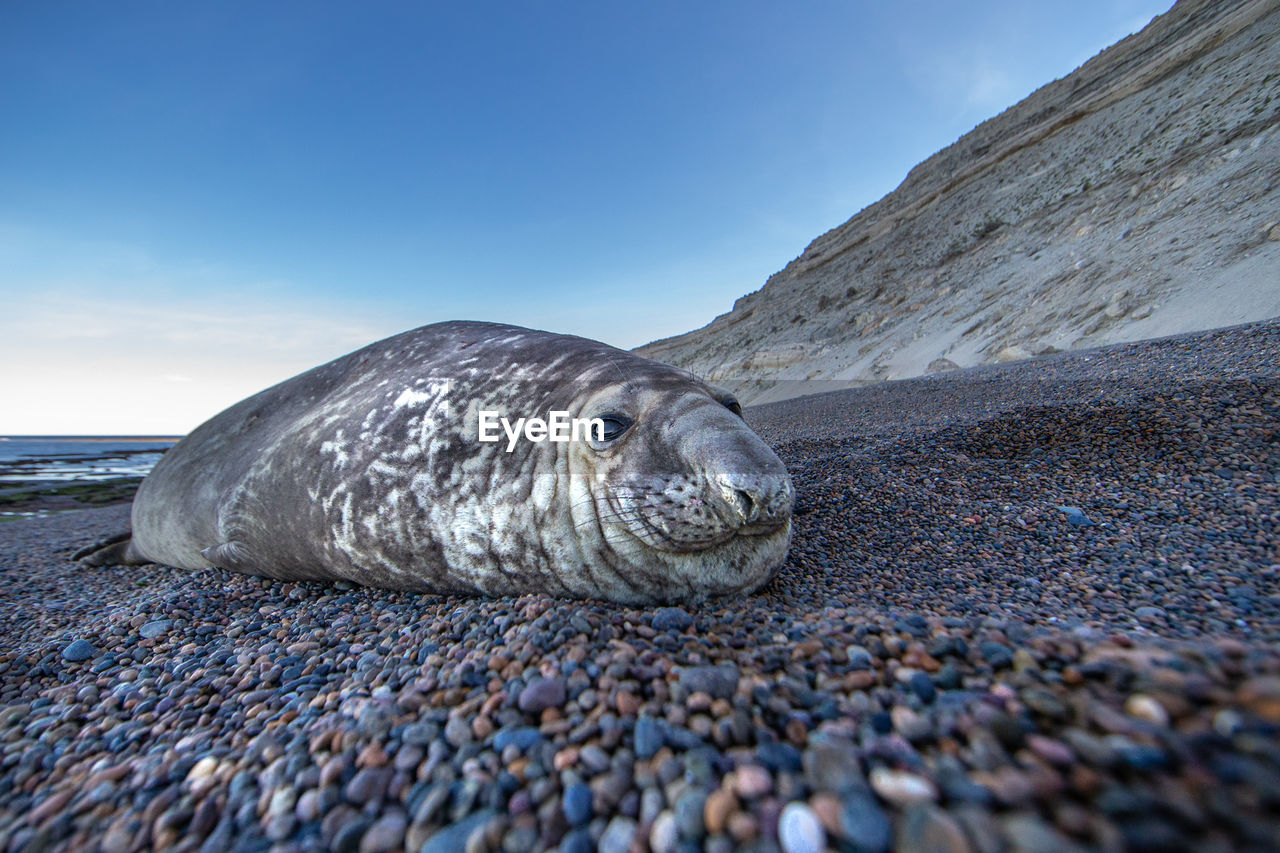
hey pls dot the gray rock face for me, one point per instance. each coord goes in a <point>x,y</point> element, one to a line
<point>1132,199</point>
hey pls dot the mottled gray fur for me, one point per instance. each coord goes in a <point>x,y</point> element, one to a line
<point>369,469</point>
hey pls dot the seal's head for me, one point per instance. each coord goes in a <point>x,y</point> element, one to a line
<point>679,497</point>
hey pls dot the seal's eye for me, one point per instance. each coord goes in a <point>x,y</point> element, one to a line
<point>614,426</point>
<point>732,404</point>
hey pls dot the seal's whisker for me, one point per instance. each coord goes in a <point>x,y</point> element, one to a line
<point>603,501</point>
<point>598,519</point>
<point>627,384</point>
<point>633,515</point>
<point>627,516</point>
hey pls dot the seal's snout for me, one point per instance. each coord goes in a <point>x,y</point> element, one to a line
<point>757,502</point>
<point>744,481</point>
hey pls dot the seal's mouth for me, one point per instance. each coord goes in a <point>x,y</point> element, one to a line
<point>690,515</point>
<point>763,528</point>
<point>678,540</point>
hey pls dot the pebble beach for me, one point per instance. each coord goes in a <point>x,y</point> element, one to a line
<point>1028,607</point>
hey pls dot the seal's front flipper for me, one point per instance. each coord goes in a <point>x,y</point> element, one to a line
<point>231,555</point>
<point>113,551</point>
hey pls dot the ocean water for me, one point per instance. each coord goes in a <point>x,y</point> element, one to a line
<point>55,458</point>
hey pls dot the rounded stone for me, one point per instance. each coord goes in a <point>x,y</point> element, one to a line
<point>671,619</point>
<point>663,836</point>
<point>541,694</point>
<point>1261,695</point>
<point>385,834</point>
<point>78,650</point>
<point>648,737</point>
<point>158,628</point>
<point>864,823</point>
<point>751,781</point>
<point>720,804</point>
<point>689,815</point>
<point>577,804</point>
<point>900,788</point>
<point>617,835</point>
<point>800,831</point>
<point>925,828</point>
<point>718,682</point>
<point>1147,709</point>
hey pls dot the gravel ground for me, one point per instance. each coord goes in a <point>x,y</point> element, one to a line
<point>1032,607</point>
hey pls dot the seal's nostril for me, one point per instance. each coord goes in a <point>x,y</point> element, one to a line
<point>746,504</point>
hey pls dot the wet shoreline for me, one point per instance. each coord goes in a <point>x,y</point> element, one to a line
<point>40,484</point>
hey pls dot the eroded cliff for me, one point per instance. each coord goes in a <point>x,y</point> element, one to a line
<point>1136,197</point>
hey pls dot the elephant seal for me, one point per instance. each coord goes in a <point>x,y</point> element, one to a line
<point>370,469</point>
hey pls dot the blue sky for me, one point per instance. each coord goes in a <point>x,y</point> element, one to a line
<point>198,200</point>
